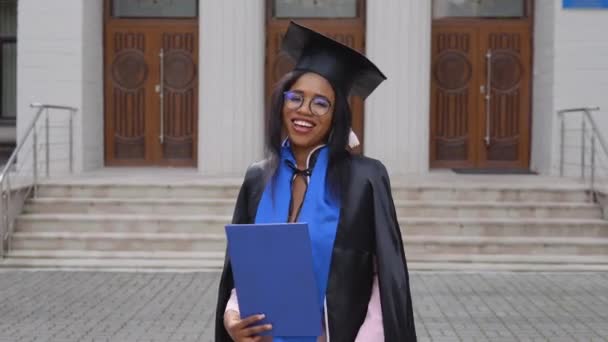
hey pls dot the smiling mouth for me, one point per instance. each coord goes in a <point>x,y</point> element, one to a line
<point>302,126</point>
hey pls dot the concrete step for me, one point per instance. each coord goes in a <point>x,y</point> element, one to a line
<point>417,245</point>
<point>441,192</point>
<point>504,227</point>
<point>121,255</point>
<point>118,260</point>
<point>119,241</point>
<point>212,224</point>
<point>131,265</point>
<point>225,206</point>
<point>213,261</point>
<point>490,210</point>
<point>546,259</point>
<point>474,245</point>
<point>490,193</point>
<point>111,206</point>
<point>505,267</point>
<point>122,223</point>
<point>160,191</point>
<point>196,265</point>
<point>218,256</point>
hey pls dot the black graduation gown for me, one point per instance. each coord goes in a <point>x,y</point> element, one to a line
<point>368,227</point>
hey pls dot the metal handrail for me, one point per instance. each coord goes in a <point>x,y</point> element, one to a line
<point>595,134</point>
<point>7,221</point>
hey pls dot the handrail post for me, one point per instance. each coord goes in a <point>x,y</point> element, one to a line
<point>593,163</point>
<point>71,139</point>
<point>8,207</point>
<point>4,230</point>
<point>35,159</point>
<point>583,137</point>
<point>562,146</point>
<point>47,148</point>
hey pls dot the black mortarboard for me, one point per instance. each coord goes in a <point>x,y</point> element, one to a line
<point>342,66</point>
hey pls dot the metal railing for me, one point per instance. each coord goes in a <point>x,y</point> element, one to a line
<point>593,148</point>
<point>15,186</point>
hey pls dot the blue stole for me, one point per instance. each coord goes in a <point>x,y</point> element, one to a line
<point>319,209</point>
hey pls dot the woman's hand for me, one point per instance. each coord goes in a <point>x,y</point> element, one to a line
<point>240,330</point>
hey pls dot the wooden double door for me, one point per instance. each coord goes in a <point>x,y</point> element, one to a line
<point>480,94</point>
<point>151,91</point>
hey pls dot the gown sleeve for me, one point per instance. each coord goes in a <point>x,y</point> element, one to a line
<point>372,328</point>
<point>393,278</point>
<point>233,302</point>
<point>241,216</point>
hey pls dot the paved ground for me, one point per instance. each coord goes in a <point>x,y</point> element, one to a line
<point>86,306</point>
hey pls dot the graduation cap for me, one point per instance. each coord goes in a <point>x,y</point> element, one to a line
<point>345,68</point>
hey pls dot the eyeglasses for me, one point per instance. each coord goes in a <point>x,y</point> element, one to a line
<point>318,105</point>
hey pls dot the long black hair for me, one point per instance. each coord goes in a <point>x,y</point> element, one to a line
<point>339,157</point>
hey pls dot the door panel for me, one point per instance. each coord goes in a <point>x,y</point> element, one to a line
<point>454,94</point>
<point>180,92</point>
<point>151,98</point>
<point>129,95</point>
<point>507,120</point>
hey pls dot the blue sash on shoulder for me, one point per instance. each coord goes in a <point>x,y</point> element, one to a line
<point>319,209</point>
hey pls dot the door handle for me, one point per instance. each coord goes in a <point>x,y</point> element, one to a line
<point>161,93</point>
<point>488,97</point>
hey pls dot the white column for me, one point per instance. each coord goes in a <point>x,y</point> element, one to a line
<point>397,114</point>
<point>60,62</point>
<point>232,41</point>
<point>543,110</point>
<point>92,85</point>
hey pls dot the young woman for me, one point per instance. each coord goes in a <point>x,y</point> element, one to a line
<point>310,176</point>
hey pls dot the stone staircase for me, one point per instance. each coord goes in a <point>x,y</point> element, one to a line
<point>446,225</point>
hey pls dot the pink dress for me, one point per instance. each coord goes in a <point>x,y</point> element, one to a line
<point>371,330</point>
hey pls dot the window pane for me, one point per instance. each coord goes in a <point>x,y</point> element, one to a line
<point>155,8</point>
<point>315,8</point>
<point>8,80</point>
<point>478,8</point>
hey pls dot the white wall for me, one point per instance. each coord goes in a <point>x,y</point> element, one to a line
<point>571,70</point>
<point>397,113</point>
<point>49,67</point>
<point>232,41</point>
<point>581,66</point>
<point>59,62</point>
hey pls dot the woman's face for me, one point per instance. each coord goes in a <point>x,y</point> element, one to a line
<point>310,96</point>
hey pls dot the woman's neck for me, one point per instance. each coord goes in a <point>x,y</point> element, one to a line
<point>301,155</point>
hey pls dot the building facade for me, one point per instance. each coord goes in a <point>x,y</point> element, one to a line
<point>473,84</point>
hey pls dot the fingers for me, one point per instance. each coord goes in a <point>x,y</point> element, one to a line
<point>249,321</point>
<point>257,330</point>
<point>242,329</point>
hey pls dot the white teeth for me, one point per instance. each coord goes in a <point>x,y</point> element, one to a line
<point>303,123</point>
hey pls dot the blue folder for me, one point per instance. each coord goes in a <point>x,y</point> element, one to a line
<point>273,274</point>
